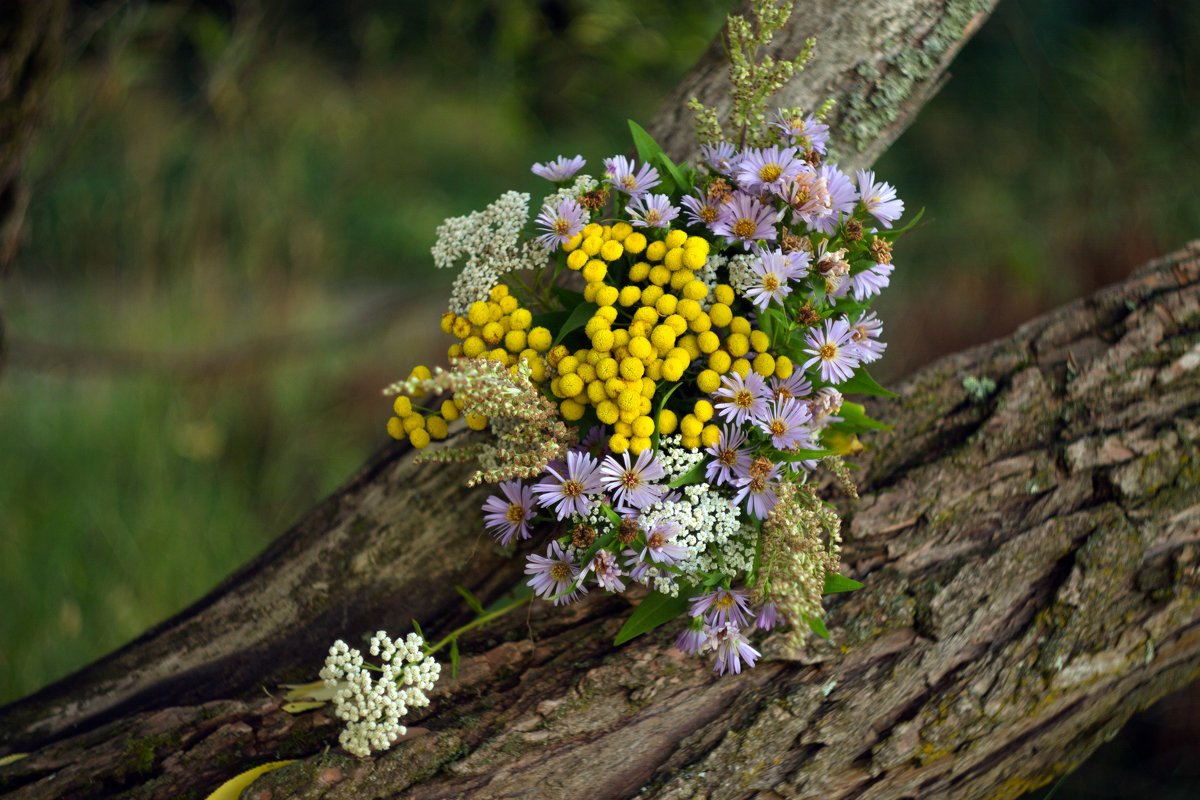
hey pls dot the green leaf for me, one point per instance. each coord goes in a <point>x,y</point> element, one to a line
<point>863,383</point>
<point>801,455</point>
<point>417,629</point>
<point>454,658</point>
<point>655,610</point>
<point>855,420</point>
<point>471,599</point>
<point>693,475</point>
<point>892,234</point>
<point>568,297</point>
<point>613,517</point>
<point>818,627</point>
<point>578,318</point>
<point>835,583</point>
<point>550,320</point>
<point>650,151</point>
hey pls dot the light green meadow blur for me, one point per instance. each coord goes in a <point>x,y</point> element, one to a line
<point>228,243</point>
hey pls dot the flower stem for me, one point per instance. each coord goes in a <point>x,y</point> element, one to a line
<point>479,621</point>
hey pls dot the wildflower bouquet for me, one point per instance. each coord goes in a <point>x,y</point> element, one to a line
<point>660,360</point>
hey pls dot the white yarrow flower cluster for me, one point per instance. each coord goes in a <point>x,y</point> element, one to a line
<point>583,184</point>
<point>490,242</point>
<point>705,518</point>
<point>677,460</point>
<point>372,707</point>
<point>741,276</point>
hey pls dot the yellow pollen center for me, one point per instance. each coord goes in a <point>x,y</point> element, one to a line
<point>653,216</point>
<point>743,399</point>
<point>770,282</point>
<point>561,226</point>
<point>770,172</point>
<point>656,540</point>
<point>727,458</point>
<point>744,228</point>
<point>758,484</point>
<point>724,602</point>
<point>572,489</point>
<point>778,428</point>
<point>515,513</point>
<point>708,214</point>
<point>560,572</point>
<point>631,480</point>
<point>828,351</point>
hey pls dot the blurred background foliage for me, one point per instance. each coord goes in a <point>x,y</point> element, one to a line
<point>232,207</point>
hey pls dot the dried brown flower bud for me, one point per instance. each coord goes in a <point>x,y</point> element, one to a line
<point>628,530</point>
<point>812,157</point>
<point>881,250</point>
<point>760,468</point>
<point>807,315</point>
<point>854,230</point>
<point>594,200</point>
<point>583,535</point>
<point>719,191</point>
<point>791,242</point>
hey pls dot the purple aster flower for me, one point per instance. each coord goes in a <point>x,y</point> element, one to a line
<point>786,421</point>
<point>728,457</point>
<point>757,488</point>
<point>506,519</point>
<point>865,336</point>
<point>745,220</point>
<point>561,224</point>
<point>721,157</point>
<point>768,617</point>
<point>879,198</point>
<point>632,485</point>
<point>651,211</point>
<point>842,198</point>
<point>553,574</point>
<point>595,442</point>
<point>870,281</point>
<point>568,495</point>
<point>700,210</point>
<point>659,549</point>
<point>794,387</point>
<point>732,649</point>
<point>741,399</point>
<point>606,570</point>
<point>621,176</point>
<point>768,169</point>
<point>693,639</point>
<point>831,347</point>
<point>808,196</point>
<point>721,606</point>
<point>773,270</point>
<point>560,169</point>
<point>807,132</point>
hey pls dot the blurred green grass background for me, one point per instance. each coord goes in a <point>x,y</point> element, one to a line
<point>232,209</point>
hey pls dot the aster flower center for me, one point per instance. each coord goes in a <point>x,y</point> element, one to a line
<point>743,399</point>
<point>516,513</point>
<point>744,228</point>
<point>783,393</point>
<point>652,216</point>
<point>727,458</point>
<point>770,282</point>
<point>656,540</point>
<point>828,351</point>
<point>801,196</point>
<point>708,214</point>
<point>629,182</point>
<point>562,226</point>
<point>770,173</point>
<point>758,485</point>
<point>760,467</point>
<point>572,489</point>
<point>778,428</point>
<point>560,572</point>
<point>723,602</point>
<point>631,480</point>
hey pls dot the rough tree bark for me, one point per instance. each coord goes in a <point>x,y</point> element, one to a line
<point>1032,563</point>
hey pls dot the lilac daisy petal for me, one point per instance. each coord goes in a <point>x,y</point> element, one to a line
<point>865,335</point>
<point>786,422</point>
<point>870,281</point>
<point>794,387</point>
<point>740,398</point>
<point>842,198</point>
<point>692,640</point>
<point>568,493</point>
<point>805,131</point>
<point>768,169</point>
<point>621,176</point>
<point>721,606</point>
<point>606,570</point>
<point>879,198</point>
<point>768,617</point>
<point>744,219</point>
<point>831,347</point>
<point>560,169</point>
<point>700,210</point>
<point>732,648</point>
<point>553,574</point>
<point>632,484</point>
<point>651,211</point>
<point>559,225</point>
<point>728,456</point>
<point>773,270</point>
<point>758,490</point>
<point>721,157</point>
<point>659,549</point>
<point>506,519</point>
